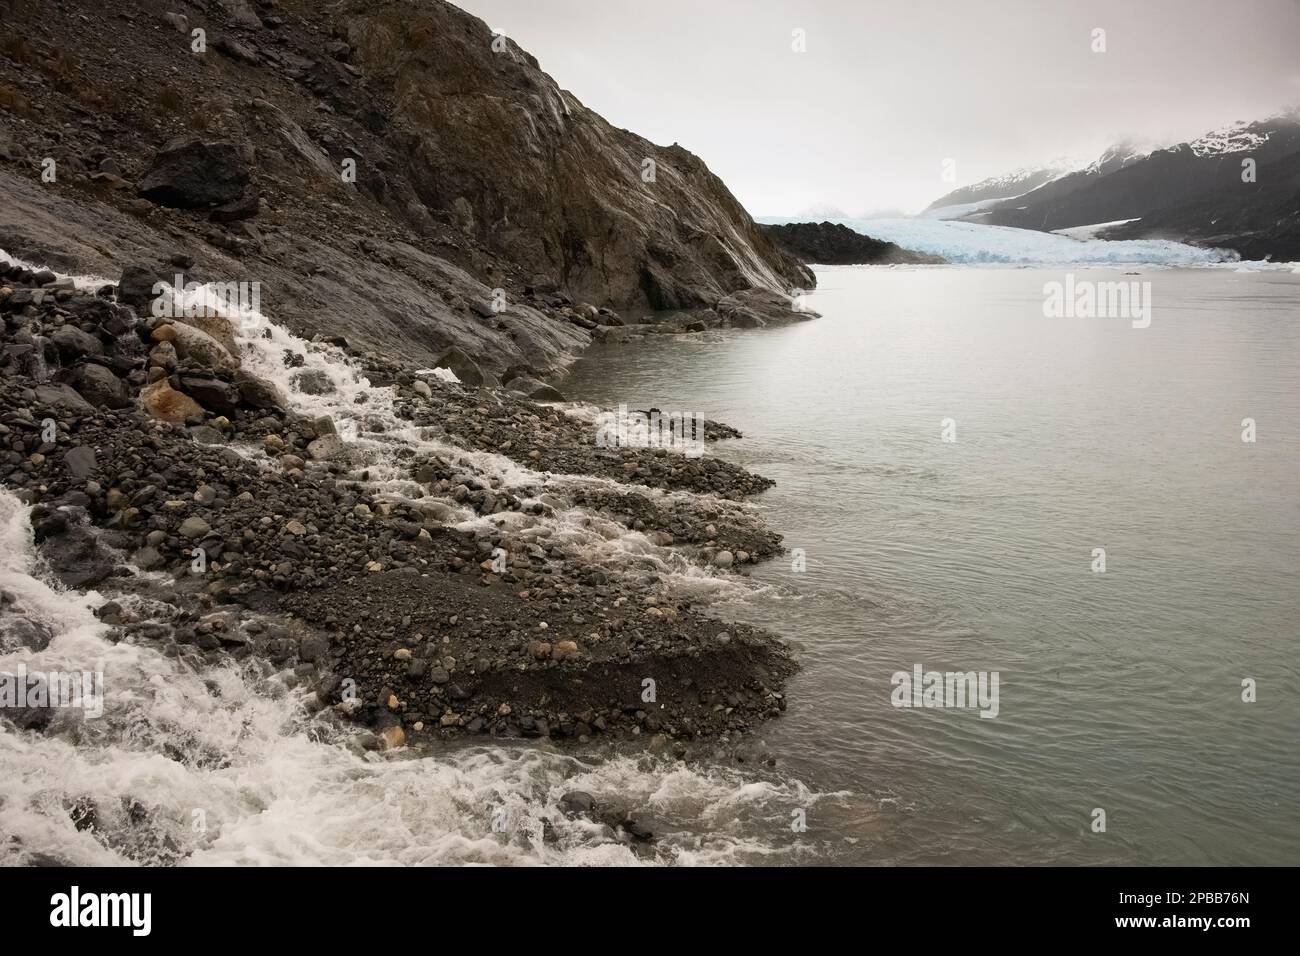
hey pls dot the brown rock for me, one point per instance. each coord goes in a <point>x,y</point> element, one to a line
<point>220,329</point>
<point>196,346</point>
<point>161,401</point>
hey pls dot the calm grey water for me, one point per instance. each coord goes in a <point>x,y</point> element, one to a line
<point>1118,690</point>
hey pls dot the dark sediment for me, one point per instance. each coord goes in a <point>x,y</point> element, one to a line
<point>394,617</point>
<point>494,227</point>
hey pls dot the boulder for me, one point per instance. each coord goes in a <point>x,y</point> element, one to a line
<point>18,632</point>
<point>212,393</point>
<point>258,392</point>
<point>91,308</point>
<point>245,207</point>
<point>80,461</point>
<point>530,387</point>
<point>194,528</point>
<point>326,448</point>
<point>462,366</point>
<point>72,550</point>
<point>135,287</point>
<point>577,803</point>
<point>219,328</point>
<point>73,343</point>
<point>163,402</point>
<point>741,317</point>
<point>62,397</point>
<point>163,356</point>
<point>196,346</point>
<point>207,435</point>
<point>514,371</point>
<point>313,381</point>
<point>190,173</point>
<point>100,387</point>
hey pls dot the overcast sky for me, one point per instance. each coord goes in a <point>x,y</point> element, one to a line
<point>886,91</point>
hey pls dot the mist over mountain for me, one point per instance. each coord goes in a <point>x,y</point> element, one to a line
<point>1005,186</point>
<point>1234,187</point>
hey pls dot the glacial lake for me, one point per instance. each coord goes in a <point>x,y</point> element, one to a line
<point>1119,690</point>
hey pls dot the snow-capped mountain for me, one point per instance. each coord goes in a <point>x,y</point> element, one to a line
<point>1011,184</point>
<point>1231,186</point>
<point>1116,157</point>
<point>1240,137</point>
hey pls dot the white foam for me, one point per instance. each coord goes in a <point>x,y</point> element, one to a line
<point>227,767</point>
<point>83,283</point>
<point>219,768</point>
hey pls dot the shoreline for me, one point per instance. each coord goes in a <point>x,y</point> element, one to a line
<point>407,577</point>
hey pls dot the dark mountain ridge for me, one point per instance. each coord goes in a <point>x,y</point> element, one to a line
<point>833,244</point>
<point>997,187</point>
<point>1196,192</point>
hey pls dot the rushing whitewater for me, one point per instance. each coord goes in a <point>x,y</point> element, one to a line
<point>229,765</point>
<point>226,767</point>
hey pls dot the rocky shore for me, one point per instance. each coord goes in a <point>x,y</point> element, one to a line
<point>352,479</point>
<point>434,571</point>
<point>833,244</point>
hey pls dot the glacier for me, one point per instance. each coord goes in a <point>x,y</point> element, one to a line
<point>972,243</point>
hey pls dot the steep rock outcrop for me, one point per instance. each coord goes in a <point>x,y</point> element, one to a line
<point>547,183</point>
<point>832,244</point>
<point>409,186</point>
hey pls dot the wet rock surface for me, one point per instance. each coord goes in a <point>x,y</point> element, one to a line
<point>435,571</point>
<point>422,189</point>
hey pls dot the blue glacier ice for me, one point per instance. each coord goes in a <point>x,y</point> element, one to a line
<point>968,242</point>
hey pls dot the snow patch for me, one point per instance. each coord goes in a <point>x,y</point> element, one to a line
<point>1090,232</point>
<point>1236,138</point>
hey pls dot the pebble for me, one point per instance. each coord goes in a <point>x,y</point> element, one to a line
<point>194,528</point>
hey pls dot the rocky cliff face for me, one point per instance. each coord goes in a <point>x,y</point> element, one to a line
<point>535,176</point>
<point>381,169</point>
